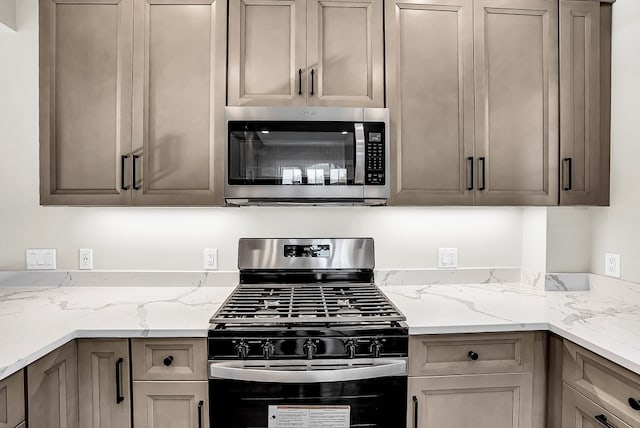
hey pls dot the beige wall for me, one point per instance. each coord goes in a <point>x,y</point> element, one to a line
<point>173,239</point>
<point>616,229</point>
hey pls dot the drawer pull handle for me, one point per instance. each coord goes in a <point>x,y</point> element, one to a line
<point>168,361</point>
<point>119,396</point>
<point>603,420</point>
<point>415,411</point>
<point>200,405</point>
<point>473,355</point>
<point>634,403</point>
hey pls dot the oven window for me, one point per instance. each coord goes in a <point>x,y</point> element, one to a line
<point>291,153</point>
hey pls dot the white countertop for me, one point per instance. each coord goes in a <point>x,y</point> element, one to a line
<point>35,320</point>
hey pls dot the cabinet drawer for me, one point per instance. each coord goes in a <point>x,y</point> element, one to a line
<point>170,404</point>
<point>580,412</point>
<point>169,359</point>
<point>454,354</point>
<point>12,400</point>
<point>602,381</point>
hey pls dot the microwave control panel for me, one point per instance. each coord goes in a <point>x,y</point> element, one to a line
<point>374,153</point>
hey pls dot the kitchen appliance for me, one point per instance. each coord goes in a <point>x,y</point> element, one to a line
<point>307,340</point>
<point>306,155</point>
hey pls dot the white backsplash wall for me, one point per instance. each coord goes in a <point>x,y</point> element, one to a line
<point>616,229</point>
<point>173,239</point>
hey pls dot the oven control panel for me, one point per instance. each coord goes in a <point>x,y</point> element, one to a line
<point>375,155</point>
<point>307,347</point>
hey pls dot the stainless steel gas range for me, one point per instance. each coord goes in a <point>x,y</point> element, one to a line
<point>307,340</point>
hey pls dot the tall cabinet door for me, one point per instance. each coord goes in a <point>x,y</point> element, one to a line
<point>52,389</point>
<point>170,404</point>
<point>429,45</point>
<point>580,102</point>
<point>495,400</point>
<point>179,81</point>
<point>516,81</point>
<point>345,53</point>
<point>104,393</point>
<point>267,52</point>
<point>85,101</point>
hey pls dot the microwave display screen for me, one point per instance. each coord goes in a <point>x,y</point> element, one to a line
<point>307,250</point>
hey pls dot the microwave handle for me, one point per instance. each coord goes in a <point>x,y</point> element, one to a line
<point>360,143</point>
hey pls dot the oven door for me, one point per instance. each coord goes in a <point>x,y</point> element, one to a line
<point>321,393</point>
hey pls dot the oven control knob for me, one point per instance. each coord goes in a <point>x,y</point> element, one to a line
<point>309,348</point>
<point>375,348</point>
<point>350,347</point>
<point>242,349</point>
<point>267,349</point>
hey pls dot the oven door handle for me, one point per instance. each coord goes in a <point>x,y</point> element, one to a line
<point>360,147</point>
<point>249,371</point>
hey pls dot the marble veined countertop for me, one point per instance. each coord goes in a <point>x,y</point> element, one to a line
<point>37,318</point>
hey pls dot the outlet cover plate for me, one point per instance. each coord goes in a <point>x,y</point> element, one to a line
<point>41,258</point>
<point>211,258</point>
<point>612,265</point>
<point>448,258</point>
<point>85,261</point>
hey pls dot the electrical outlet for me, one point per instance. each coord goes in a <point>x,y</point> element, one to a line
<point>447,257</point>
<point>612,265</point>
<point>41,258</point>
<point>211,258</point>
<point>86,259</point>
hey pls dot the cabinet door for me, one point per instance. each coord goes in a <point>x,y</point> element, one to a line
<point>430,96</point>
<point>580,146</point>
<point>345,53</point>
<point>85,101</point>
<point>52,389</point>
<point>497,401</point>
<point>12,400</point>
<point>267,52</point>
<point>178,109</point>
<point>580,412</point>
<point>516,81</point>
<point>170,405</point>
<point>104,384</point>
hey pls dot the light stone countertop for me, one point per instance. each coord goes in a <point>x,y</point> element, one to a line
<point>37,319</point>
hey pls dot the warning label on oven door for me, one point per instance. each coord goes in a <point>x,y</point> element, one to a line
<point>309,416</point>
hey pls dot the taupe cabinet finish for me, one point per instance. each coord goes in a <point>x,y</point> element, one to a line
<point>585,97</point>
<point>580,412</point>
<point>130,95</point>
<point>472,89</point>
<point>306,52</point>
<point>170,404</point>
<point>169,359</point>
<point>12,401</point>
<point>52,389</point>
<point>485,380</point>
<point>101,405</point>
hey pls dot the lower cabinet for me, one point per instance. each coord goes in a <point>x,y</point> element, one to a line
<point>170,404</point>
<point>12,401</point>
<point>104,384</point>
<point>580,412</point>
<point>496,400</point>
<point>52,389</point>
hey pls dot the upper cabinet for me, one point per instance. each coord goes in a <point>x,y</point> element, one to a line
<point>306,52</point>
<point>472,89</point>
<point>585,99</point>
<point>131,95</point>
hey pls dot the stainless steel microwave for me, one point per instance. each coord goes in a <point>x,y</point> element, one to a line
<point>306,155</point>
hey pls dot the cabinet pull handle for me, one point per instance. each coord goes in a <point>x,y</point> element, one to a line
<point>200,405</point>
<point>299,81</point>
<point>168,361</point>
<point>634,403</point>
<point>568,173</point>
<point>119,396</point>
<point>603,420</point>
<point>470,159</point>
<point>123,159</point>
<point>134,185</point>
<point>312,73</point>
<point>481,160</point>
<point>415,412</point>
<point>473,355</point>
